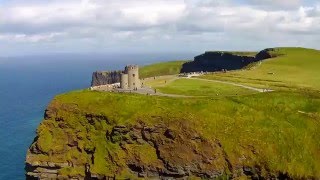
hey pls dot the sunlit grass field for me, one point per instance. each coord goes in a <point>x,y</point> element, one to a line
<point>295,68</point>
<point>194,87</point>
<point>279,130</point>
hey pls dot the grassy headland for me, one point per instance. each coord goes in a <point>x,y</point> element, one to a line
<point>294,68</point>
<point>277,131</point>
<point>266,134</point>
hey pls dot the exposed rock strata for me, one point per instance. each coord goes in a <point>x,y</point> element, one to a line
<point>107,77</point>
<point>180,155</point>
<point>169,152</point>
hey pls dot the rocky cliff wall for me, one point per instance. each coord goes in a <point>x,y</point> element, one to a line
<point>107,77</point>
<point>217,61</point>
<point>74,143</point>
<point>72,149</point>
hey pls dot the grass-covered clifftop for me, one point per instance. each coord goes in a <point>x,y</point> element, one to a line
<point>291,68</point>
<point>238,53</point>
<point>255,135</point>
<point>274,132</point>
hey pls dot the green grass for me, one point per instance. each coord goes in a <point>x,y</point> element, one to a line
<point>159,81</point>
<point>277,130</point>
<point>296,68</point>
<point>268,124</point>
<point>193,87</point>
<point>160,69</point>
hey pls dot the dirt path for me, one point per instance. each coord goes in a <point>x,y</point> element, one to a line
<point>151,92</point>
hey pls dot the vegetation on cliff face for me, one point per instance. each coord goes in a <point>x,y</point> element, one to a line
<point>264,135</point>
<point>270,133</point>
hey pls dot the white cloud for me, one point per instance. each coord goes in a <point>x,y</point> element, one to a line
<point>159,23</point>
<point>277,4</point>
<point>30,38</point>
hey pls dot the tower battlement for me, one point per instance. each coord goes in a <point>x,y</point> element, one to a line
<point>131,67</point>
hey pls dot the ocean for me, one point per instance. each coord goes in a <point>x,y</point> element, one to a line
<point>27,85</point>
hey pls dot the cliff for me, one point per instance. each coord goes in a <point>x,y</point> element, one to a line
<point>73,142</point>
<point>106,77</point>
<point>87,134</point>
<point>212,61</point>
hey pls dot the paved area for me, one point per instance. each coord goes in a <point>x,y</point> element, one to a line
<point>145,90</point>
<point>149,91</point>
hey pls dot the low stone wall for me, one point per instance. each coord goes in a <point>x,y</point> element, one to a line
<point>108,87</point>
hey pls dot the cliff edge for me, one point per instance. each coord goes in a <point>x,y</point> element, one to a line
<point>212,61</point>
<point>88,134</point>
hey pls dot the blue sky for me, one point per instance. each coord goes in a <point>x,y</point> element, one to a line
<point>103,26</point>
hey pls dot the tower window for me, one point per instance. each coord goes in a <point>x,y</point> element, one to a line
<point>134,75</point>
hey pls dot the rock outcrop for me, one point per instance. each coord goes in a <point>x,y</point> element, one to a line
<point>154,151</point>
<point>104,78</point>
<point>212,61</point>
<point>267,53</point>
<point>179,154</point>
<point>216,61</point>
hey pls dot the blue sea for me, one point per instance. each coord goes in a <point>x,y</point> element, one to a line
<point>28,83</point>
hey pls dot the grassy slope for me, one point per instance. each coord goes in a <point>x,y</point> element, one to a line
<point>163,68</point>
<point>193,87</point>
<point>272,134</point>
<point>298,67</point>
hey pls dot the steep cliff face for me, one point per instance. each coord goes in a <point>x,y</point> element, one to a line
<point>99,135</point>
<point>107,150</point>
<point>217,61</point>
<point>97,147</point>
<point>107,77</point>
<point>267,53</point>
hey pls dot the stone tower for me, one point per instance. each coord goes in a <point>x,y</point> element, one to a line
<point>124,81</point>
<point>133,76</point>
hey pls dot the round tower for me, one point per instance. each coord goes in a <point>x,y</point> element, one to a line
<point>124,81</point>
<point>133,77</point>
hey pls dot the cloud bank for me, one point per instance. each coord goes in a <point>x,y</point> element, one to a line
<point>158,25</point>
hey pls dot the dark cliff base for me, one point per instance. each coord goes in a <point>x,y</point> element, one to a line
<point>218,61</point>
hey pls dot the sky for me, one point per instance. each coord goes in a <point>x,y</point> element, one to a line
<point>102,26</point>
